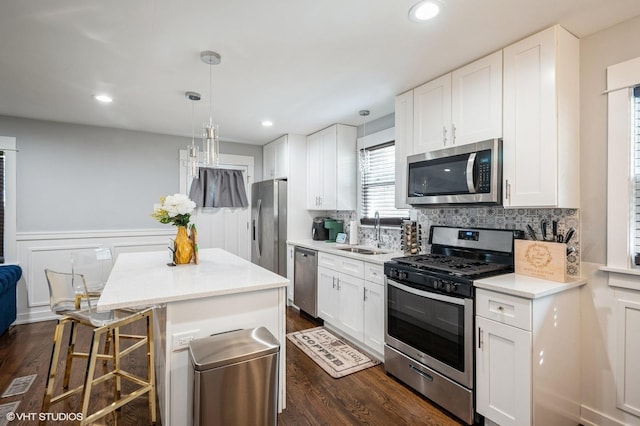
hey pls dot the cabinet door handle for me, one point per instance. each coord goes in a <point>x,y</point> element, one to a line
<point>479,338</point>
<point>365,294</point>
<point>508,195</point>
<point>444,135</point>
<point>453,134</point>
<point>334,282</point>
<point>338,283</point>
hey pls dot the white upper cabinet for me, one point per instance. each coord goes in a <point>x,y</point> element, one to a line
<point>432,115</point>
<point>404,142</point>
<point>331,169</point>
<point>476,105</point>
<point>541,121</point>
<point>461,107</point>
<point>275,159</point>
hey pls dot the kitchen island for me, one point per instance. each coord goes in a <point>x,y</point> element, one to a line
<point>222,293</point>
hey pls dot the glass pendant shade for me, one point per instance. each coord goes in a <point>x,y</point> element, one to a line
<point>364,160</point>
<point>193,150</point>
<point>194,154</point>
<point>363,157</point>
<point>211,144</point>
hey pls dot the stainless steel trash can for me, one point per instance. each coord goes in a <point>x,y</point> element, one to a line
<point>235,378</point>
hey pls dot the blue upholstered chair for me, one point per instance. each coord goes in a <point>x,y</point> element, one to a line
<point>9,276</point>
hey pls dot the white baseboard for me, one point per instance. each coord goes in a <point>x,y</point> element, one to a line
<point>592,417</point>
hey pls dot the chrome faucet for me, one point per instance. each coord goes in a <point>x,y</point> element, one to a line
<point>376,227</point>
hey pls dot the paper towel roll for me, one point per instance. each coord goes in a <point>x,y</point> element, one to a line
<point>353,232</point>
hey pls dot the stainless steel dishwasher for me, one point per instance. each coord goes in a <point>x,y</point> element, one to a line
<point>305,280</point>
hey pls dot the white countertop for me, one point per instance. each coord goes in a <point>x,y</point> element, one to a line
<point>527,287</point>
<point>334,248</point>
<point>144,279</point>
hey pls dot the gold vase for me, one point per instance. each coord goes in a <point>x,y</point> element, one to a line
<point>183,247</point>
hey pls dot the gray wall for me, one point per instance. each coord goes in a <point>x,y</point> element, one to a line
<point>76,177</point>
<point>377,125</point>
<point>597,52</point>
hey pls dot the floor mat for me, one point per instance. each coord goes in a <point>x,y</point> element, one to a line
<point>331,353</point>
<point>19,385</point>
<point>7,412</point>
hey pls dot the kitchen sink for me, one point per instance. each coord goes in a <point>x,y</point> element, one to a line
<point>360,250</point>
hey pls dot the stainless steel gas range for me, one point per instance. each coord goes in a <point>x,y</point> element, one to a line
<point>429,312</point>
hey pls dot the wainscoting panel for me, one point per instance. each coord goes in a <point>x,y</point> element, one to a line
<point>628,353</point>
<point>37,251</point>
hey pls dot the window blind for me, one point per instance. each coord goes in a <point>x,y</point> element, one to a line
<point>636,168</point>
<point>379,183</point>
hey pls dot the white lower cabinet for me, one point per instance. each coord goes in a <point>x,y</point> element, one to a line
<point>351,299</point>
<point>527,358</point>
<point>328,296</point>
<point>350,306</point>
<point>374,316</point>
<point>503,379</point>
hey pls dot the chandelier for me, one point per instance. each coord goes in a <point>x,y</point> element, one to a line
<point>210,140</point>
<point>211,144</point>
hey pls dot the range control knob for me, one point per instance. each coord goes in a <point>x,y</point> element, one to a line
<point>402,275</point>
<point>450,287</point>
<point>438,285</point>
<point>393,273</point>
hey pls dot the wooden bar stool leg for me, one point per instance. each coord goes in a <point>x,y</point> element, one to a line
<point>107,341</point>
<point>53,364</point>
<point>89,375</point>
<point>116,361</point>
<point>151,370</point>
<point>70,353</point>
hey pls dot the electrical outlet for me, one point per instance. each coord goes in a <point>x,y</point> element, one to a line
<point>181,340</point>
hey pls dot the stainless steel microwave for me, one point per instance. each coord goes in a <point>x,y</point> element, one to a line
<point>464,174</point>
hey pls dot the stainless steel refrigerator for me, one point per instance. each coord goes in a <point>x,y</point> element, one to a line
<point>269,225</point>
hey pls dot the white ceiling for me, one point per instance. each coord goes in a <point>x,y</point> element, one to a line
<point>303,64</point>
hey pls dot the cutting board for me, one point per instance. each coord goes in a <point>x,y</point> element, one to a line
<point>541,259</point>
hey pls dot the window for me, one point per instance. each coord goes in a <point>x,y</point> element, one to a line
<point>378,186</point>
<point>623,167</point>
<point>8,245</point>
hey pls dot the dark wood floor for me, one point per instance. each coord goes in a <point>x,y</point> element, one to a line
<point>313,397</point>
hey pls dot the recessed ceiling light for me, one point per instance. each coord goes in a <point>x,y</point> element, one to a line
<point>423,11</point>
<point>103,98</point>
<point>266,123</point>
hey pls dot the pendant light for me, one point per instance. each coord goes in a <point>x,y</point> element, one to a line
<point>194,150</point>
<point>210,141</point>
<point>364,154</point>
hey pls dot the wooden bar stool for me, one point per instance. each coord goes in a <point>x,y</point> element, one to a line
<point>102,323</point>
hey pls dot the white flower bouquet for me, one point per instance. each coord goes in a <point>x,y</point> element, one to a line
<point>174,209</point>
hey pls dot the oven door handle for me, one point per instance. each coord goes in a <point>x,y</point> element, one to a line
<point>427,294</point>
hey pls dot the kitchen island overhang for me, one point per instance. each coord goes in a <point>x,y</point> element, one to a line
<point>223,292</point>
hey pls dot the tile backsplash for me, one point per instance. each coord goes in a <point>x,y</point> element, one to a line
<point>477,217</point>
